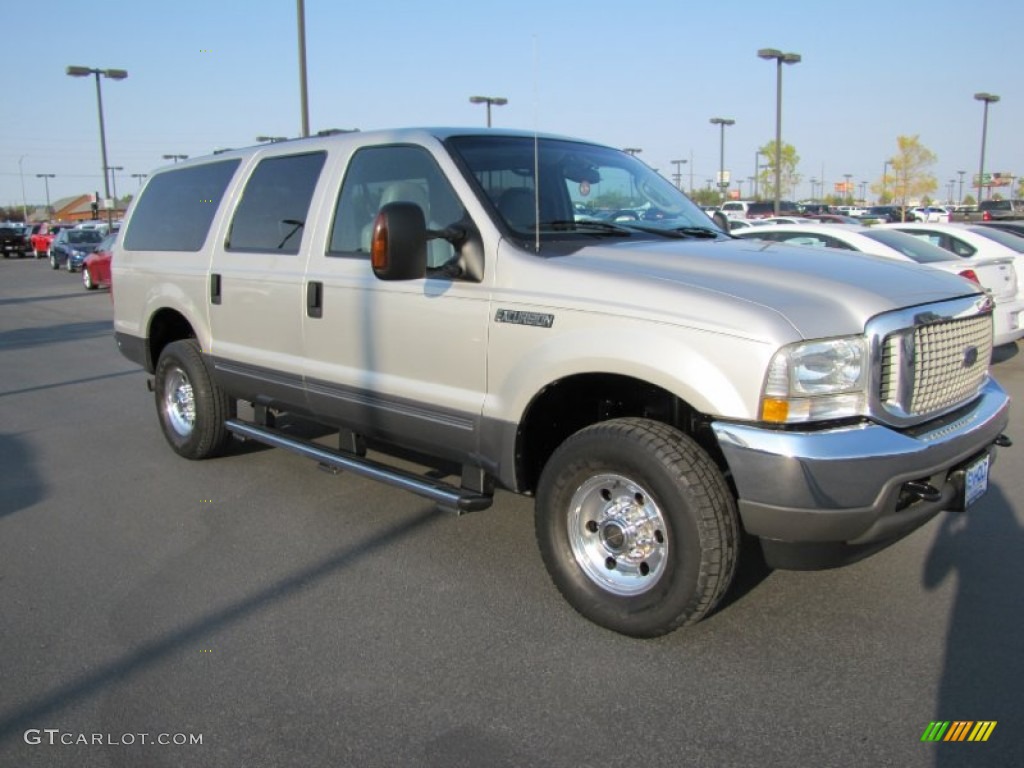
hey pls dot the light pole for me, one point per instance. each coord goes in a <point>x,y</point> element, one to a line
<point>814,183</point>
<point>270,139</point>
<point>988,98</point>
<point>847,188</point>
<point>46,180</point>
<point>864,192</point>
<point>140,177</point>
<point>885,173</point>
<point>24,204</point>
<point>679,173</point>
<point>952,182</point>
<point>175,158</point>
<point>498,101</point>
<point>757,172</point>
<point>113,74</point>
<point>632,151</point>
<point>113,181</point>
<point>960,195</point>
<point>780,58</point>
<point>721,122</point>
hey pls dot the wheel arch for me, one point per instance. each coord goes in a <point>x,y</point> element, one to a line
<point>570,404</point>
<point>165,326</point>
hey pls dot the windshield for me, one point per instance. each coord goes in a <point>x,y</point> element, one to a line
<point>1013,242</point>
<point>81,236</point>
<point>585,190</point>
<point>912,247</point>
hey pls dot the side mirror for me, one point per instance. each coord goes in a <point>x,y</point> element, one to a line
<point>398,249</point>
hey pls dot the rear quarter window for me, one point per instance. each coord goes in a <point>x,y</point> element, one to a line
<point>176,208</point>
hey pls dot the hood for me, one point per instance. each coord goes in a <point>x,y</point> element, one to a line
<point>764,291</point>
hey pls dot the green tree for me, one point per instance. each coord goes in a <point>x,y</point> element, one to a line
<point>969,199</point>
<point>788,179</point>
<point>704,196</point>
<point>910,178</point>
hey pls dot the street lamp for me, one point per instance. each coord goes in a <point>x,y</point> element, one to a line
<point>24,204</point>
<point>988,98</point>
<point>679,173</point>
<point>952,183</point>
<point>113,180</point>
<point>814,183</point>
<point>270,139</point>
<point>498,101</point>
<point>885,173</point>
<point>780,58</point>
<point>46,180</point>
<point>721,122</point>
<point>960,195</point>
<point>175,158</point>
<point>113,74</point>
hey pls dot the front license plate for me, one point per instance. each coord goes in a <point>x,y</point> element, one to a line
<point>976,480</point>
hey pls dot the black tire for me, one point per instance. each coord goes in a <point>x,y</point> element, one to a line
<point>87,279</point>
<point>191,408</point>
<point>53,262</point>
<point>666,547</point>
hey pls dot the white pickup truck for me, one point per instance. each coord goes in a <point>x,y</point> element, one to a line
<point>657,385</point>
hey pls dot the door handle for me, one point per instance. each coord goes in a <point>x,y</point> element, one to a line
<point>214,288</point>
<point>315,298</point>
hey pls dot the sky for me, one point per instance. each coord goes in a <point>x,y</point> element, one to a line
<point>214,74</point>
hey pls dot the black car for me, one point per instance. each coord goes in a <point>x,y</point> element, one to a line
<point>1013,227</point>
<point>71,246</point>
<point>891,214</point>
<point>14,240</point>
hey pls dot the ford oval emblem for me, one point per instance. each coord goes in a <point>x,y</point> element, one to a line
<point>970,356</point>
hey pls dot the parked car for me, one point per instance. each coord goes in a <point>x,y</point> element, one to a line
<point>1013,227</point>
<point>996,275</point>
<point>932,213</point>
<point>13,241</point>
<point>757,209</point>
<point>96,267</point>
<point>787,220</point>
<point>835,218</point>
<point>42,239</point>
<point>885,213</point>
<point>70,247</point>
<point>994,210</point>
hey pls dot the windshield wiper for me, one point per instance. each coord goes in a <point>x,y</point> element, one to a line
<point>598,227</point>
<point>679,232</point>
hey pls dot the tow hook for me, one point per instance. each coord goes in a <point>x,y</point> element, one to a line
<point>924,491</point>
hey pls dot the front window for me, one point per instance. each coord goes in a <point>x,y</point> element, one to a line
<point>558,190</point>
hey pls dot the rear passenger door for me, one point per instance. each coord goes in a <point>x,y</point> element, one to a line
<point>399,360</point>
<point>256,282</point>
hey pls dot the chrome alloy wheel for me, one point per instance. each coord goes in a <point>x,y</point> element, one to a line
<point>179,402</point>
<point>618,534</point>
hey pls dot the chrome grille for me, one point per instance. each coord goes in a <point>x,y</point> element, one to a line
<point>936,366</point>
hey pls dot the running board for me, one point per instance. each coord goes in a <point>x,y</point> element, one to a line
<point>447,496</point>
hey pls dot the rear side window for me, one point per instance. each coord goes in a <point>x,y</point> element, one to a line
<point>274,206</point>
<point>176,208</point>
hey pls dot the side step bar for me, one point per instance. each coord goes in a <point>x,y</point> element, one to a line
<point>447,496</point>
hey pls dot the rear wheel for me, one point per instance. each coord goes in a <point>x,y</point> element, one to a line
<point>87,279</point>
<point>192,409</point>
<point>53,262</point>
<point>637,526</point>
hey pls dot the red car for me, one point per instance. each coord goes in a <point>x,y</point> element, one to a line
<point>41,240</point>
<point>96,268</point>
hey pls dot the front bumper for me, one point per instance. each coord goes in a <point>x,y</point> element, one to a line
<point>1007,321</point>
<point>825,498</point>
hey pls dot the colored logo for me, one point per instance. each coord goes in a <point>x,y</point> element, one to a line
<point>958,730</point>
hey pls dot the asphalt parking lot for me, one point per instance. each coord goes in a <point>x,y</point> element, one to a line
<point>254,611</point>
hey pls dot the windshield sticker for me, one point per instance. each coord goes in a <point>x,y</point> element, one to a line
<point>585,188</point>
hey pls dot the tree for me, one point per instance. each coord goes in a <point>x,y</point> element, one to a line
<point>910,178</point>
<point>969,199</point>
<point>788,179</point>
<point>704,196</point>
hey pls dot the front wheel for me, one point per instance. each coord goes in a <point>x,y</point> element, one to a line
<point>637,526</point>
<point>192,409</point>
<point>53,262</point>
<point>87,279</point>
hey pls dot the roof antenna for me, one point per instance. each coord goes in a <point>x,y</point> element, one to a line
<point>536,159</point>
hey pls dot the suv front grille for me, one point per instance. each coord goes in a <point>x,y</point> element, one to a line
<point>934,367</point>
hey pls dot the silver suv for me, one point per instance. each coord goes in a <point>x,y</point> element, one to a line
<point>658,386</point>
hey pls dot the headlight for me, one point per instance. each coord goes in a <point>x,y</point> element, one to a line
<point>816,381</point>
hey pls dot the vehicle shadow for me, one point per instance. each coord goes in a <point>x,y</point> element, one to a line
<point>23,338</point>
<point>751,571</point>
<point>136,661</point>
<point>20,483</point>
<point>1004,352</point>
<point>70,383</point>
<point>32,299</point>
<point>984,667</point>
